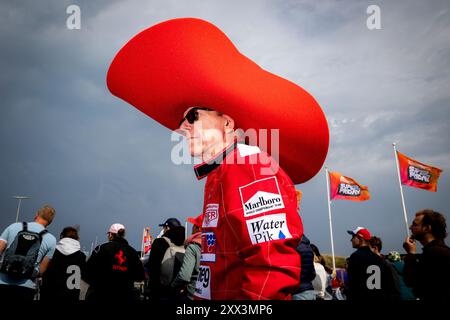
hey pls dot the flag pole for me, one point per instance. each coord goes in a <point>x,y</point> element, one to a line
<point>401,189</point>
<point>329,218</point>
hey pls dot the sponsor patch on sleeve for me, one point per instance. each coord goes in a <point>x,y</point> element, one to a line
<point>211,215</point>
<point>268,228</point>
<point>208,247</point>
<point>203,284</point>
<point>261,196</point>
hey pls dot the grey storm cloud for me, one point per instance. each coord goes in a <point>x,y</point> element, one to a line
<point>65,140</point>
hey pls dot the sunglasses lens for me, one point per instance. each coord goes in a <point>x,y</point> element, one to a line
<point>192,116</point>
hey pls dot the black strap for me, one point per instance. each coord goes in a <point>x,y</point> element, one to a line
<point>41,234</point>
<point>24,226</point>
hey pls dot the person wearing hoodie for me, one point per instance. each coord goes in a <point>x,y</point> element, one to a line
<point>113,268</point>
<point>175,233</point>
<point>184,282</point>
<point>62,279</point>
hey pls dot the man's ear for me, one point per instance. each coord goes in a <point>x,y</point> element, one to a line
<point>229,123</point>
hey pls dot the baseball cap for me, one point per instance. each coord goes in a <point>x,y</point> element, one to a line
<point>198,221</point>
<point>116,227</point>
<point>361,232</point>
<point>171,223</point>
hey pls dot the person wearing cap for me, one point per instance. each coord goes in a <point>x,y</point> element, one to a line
<point>361,266</point>
<point>427,273</point>
<point>186,279</point>
<point>188,76</point>
<point>112,269</point>
<point>173,234</point>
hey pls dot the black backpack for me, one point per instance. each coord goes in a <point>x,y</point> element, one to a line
<point>20,258</point>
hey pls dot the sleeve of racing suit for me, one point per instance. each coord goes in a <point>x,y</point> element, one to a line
<point>271,266</point>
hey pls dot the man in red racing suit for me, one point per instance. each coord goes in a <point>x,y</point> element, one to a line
<point>250,226</point>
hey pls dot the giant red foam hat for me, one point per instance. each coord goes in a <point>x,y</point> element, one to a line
<point>187,62</point>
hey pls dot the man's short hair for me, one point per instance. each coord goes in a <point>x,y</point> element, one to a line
<point>436,221</point>
<point>70,232</point>
<point>47,213</point>
<point>376,242</point>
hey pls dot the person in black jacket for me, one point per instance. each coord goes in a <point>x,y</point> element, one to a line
<point>390,281</point>
<point>364,269</point>
<point>427,273</point>
<point>173,230</point>
<point>62,279</point>
<point>308,273</point>
<point>113,268</point>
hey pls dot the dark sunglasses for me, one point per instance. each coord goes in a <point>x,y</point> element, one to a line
<point>192,115</point>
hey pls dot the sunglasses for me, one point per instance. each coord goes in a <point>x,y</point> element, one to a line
<point>192,115</point>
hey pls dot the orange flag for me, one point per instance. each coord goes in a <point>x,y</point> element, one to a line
<point>345,188</point>
<point>418,175</point>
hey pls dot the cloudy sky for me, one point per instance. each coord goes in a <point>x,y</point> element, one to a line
<point>66,141</point>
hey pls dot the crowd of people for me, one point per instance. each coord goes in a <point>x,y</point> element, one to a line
<point>172,270</point>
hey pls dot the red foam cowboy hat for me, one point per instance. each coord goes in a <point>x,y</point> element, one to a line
<point>187,62</point>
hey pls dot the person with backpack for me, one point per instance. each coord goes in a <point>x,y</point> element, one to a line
<point>166,258</point>
<point>186,279</point>
<point>28,248</point>
<point>62,279</point>
<point>112,269</point>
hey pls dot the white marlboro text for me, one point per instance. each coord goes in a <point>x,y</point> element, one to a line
<point>419,175</point>
<point>203,284</point>
<point>261,196</point>
<point>268,228</point>
<point>351,190</point>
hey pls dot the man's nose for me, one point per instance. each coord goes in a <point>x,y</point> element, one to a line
<point>185,129</point>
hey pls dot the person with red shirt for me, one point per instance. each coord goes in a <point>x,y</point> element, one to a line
<point>188,76</point>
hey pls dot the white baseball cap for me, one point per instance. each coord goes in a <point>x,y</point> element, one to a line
<point>116,227</point>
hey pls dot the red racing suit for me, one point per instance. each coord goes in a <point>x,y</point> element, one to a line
<point>251,228</point>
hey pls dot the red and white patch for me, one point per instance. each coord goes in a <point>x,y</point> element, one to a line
<point>261,196</point>
<point>211,216</point>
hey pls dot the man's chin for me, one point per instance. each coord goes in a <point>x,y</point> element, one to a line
<point>196,153</point>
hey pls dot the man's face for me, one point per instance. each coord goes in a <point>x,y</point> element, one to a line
<point>418,230</point>
<point>356,242</point>
<point>207,132</point>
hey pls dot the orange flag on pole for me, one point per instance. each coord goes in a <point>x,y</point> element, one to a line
<point>345,188</point>
<point>418,175</point>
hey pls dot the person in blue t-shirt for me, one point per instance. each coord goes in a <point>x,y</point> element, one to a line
<point>24,289</point>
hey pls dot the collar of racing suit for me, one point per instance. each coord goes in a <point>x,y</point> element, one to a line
<point>205,168</point>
